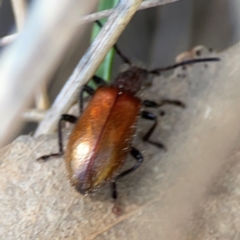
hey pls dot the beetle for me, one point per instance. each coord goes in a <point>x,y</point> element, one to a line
<point>102,137</point>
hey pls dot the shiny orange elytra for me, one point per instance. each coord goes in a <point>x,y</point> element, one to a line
<point>102,137</point>
<point>97,150</point>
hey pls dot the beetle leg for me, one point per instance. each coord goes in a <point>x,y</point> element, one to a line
<point>84,89</point>
<point>114,190</point>
<point>150,116</point>
<point>67,118</point>
<point>89,90</point>
<point>99,80</point>
<point>148,103</point>
<point>118,51</point>
<point>138,156</point>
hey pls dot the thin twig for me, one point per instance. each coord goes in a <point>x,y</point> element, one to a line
<point>144,5</point>
<point>95,16</point>
<point>41,97</point>
<point>34,115</point>
<point>116,23</point>
<point>35,55</point>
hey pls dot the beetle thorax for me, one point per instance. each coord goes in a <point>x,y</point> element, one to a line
<point>131,80</point>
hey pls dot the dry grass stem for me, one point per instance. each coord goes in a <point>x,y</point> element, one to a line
<point>106,13</point>
<point>41,98</point>
<point>34,115</point>
<point>98,15</point>
<point>19,79</point>
<point>109,34</point>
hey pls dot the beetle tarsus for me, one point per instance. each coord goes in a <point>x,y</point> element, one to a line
<point>176,103</point>
<point>139,158</point>
<point>152,104</point>
<point>85,89</point>
<point>66,118</point>
<point>45,158</point>
<point>114,190</point>
<point>152,117</point>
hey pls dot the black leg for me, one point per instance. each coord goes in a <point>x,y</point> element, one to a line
<point>67,118</point>
<point>138,156</point>
<point>114,190</point>
<point>150,116</point>
<point>118,51</point>
<point>152,104</point>
<point>84,89</point>
<point>89,90</point>
<point>98,80</point>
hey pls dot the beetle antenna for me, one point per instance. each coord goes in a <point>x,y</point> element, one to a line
<point>184,63</point>
<point>118,51</point>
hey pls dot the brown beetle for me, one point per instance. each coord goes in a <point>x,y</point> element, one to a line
<point>102,137</point>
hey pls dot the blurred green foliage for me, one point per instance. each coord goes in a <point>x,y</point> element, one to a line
<point>105,69</point>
